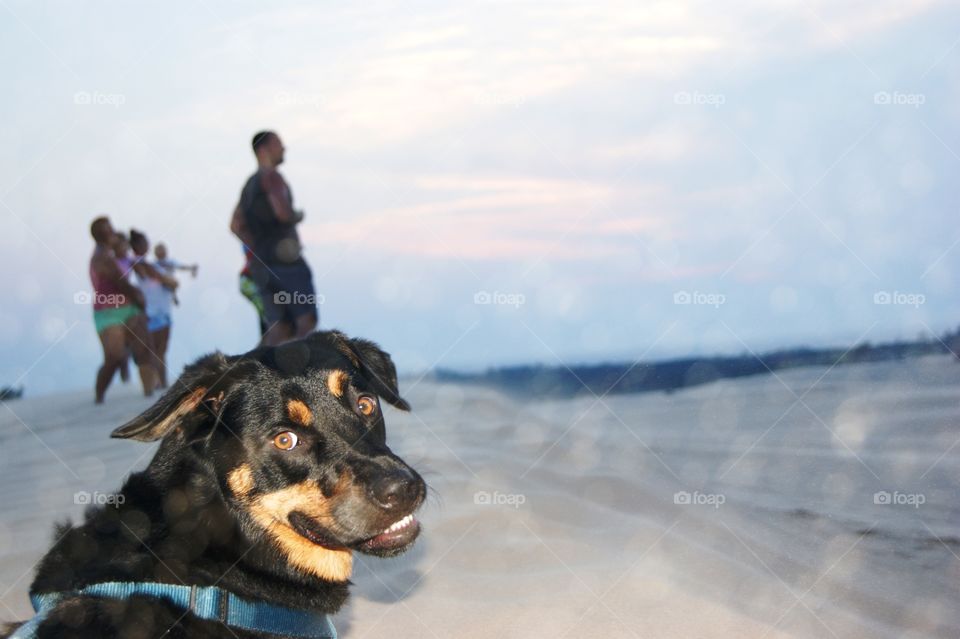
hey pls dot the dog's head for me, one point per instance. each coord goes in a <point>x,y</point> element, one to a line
<point>294,436</point>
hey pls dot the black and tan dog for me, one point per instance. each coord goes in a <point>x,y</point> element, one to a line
<point>273,470</point>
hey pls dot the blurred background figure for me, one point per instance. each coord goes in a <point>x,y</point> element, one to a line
<point>121,254</point>
<point>169,264</point>
<point>117,311</point>
<point>248,288</point>
<point>266,222</point>
<point>158,288</point>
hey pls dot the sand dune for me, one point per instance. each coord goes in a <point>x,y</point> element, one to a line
<point>743,508</point>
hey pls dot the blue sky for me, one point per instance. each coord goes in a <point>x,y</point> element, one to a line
<point>590,167</point>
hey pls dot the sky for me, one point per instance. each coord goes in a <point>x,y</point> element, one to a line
<point>493,183</point>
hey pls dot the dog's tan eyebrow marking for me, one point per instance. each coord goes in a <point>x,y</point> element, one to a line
<point>240,480</point>
<point>337,382</point>
<point>299,412</point>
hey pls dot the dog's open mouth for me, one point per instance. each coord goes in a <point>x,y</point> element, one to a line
<point>306,527</point>
<point>393,539</point>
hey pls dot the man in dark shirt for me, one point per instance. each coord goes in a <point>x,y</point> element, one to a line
<point>266,222</point>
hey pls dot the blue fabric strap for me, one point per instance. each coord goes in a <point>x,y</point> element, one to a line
<point>208,602</point>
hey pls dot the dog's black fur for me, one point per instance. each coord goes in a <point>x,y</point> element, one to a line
<point>191,517</point>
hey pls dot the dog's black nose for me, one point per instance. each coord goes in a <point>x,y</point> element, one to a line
<point>394,489</point>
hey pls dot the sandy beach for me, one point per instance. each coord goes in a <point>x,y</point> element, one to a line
<point>813,503</point>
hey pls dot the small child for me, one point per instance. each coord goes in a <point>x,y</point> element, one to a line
<point>169,265</point>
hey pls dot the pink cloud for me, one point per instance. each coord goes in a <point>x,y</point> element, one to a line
<point>490,218</point>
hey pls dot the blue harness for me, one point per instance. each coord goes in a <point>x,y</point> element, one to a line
<point>209,602</point>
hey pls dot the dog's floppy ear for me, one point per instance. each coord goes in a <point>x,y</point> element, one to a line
<point>194,399</point>
<point>377,367</point>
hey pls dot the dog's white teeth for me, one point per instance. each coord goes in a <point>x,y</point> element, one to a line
<point>400,524</point>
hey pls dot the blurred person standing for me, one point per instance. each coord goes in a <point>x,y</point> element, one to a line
<point>158,286</point>
<point>117,313</point>
<point>266,222</point>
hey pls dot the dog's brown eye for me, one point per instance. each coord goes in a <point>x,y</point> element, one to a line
<point>286,441</point>
<point>366,405</point>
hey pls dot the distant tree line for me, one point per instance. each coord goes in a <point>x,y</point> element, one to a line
<point>670,375</point>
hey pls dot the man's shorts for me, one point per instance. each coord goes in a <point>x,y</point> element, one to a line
<point>104,318</point>
<point>285,290</point>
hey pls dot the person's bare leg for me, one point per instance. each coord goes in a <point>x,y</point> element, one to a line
<point>278,333</point>
<point>160,340</point>
<point>125,367</point>
<point>114,345</point>
<point>305,324</point>
<point>138,338</point>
